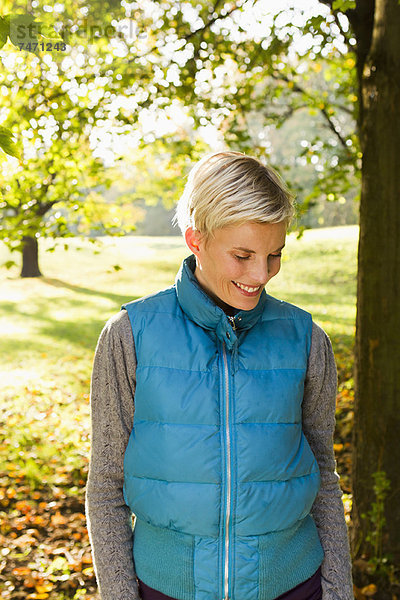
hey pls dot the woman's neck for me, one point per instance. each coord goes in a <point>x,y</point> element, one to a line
<point>227,308</point>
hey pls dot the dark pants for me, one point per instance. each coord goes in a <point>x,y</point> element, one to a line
<point>308,590</point>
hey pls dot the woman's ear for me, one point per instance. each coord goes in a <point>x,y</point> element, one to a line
<point>193,240</point>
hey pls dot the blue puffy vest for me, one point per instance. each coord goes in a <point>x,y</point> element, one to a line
<point>217,470</point>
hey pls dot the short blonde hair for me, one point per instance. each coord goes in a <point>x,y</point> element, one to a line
<point>231,188</point>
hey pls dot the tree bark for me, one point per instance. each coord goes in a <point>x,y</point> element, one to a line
<point>377,366</point>
<point>30,257</point>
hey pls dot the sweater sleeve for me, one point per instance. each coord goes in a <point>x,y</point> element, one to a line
<point>112,406</point>
<point>319,405</point>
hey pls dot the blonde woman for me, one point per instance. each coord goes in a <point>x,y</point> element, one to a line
<point>213,415</point>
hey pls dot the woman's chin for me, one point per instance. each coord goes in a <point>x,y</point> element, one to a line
<point>248,305</point>
<point>245,302</point>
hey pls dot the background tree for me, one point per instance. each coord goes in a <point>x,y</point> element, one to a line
<point>66,105</point>
<point>54,105</point>
<point>377,414</point>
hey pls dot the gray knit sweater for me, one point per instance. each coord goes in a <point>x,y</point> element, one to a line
<point>112,409</point>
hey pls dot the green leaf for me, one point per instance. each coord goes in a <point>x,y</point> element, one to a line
<point>46,29</point>
<point>6,142</point>
<point>23,29</point>
<point>343,5</point>
<point>9,264</point>
<point>4,28</point>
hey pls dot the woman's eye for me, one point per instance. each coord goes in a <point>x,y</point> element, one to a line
<point>242,257</point>
<point>276,255</point>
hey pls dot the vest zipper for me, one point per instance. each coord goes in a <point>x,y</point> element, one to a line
<point>228,476</point>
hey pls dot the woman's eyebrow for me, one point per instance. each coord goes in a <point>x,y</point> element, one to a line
<point>244,249</point>
<point>253,251</point>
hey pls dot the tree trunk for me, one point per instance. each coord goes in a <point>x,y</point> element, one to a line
<point>30,258</point>
<point>377,403</point>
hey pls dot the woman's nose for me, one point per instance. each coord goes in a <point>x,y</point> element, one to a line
<point>260,272</point>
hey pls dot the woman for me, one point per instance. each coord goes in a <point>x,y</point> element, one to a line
<point>227,462</point>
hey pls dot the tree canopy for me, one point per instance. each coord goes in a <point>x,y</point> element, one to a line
<point>233,69</point>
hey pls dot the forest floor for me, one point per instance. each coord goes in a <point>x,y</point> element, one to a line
<point>49,327</point>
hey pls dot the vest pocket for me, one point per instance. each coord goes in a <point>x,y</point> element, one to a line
<point>288,557</point>
<point>164,559</point>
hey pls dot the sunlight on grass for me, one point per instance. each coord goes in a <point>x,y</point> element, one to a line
<point>50,325</point>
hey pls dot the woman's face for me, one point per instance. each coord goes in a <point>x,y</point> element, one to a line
<point>234,266</point>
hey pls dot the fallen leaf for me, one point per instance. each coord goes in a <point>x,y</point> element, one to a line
<point>29,582</point>
<point>24,540</point>
<point>21,571</point>
<point>58,519</point>
<point>43,588</point>
<point>87,559</point>
<point>357,593</point>
<point>369,590</point>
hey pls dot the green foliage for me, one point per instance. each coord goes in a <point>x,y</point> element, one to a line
<point>6,143</point>
<point>23,30</point>
<point>343,5</point>
<point>377,521</point>
<point>8,264</point>
<point>53,188</point>
<point>236,69</point>
<point>158,170</point>
<point>4,29</point>
<point>229,75</point>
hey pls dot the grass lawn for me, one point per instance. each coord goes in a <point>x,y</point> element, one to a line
<point>49,327</point>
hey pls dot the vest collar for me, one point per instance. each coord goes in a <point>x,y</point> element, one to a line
<point>201,309</point>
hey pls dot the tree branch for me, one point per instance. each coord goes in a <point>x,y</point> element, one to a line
<point>297,88</point>
<point>211,22</point>
<point>43,208</point>
<point>192,33</point>
<point>333,128</point>
<point>285,115</point>
<point>345,109</point>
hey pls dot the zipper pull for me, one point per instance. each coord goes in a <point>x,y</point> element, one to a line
<point>232,322</point>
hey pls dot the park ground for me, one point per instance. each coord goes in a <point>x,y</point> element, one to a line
<point>49,327</point>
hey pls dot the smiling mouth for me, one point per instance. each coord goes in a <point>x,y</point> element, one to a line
<point>247,288</point>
